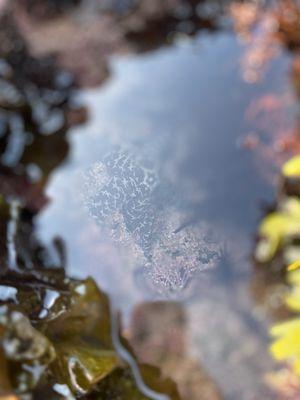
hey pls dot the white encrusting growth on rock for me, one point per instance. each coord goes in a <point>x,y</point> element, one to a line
<point>143,213</point>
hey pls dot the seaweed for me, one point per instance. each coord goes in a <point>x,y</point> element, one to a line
<point>279,230</point>
<point>56,332</point>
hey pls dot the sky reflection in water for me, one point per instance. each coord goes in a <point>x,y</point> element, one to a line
<point>183,108</point>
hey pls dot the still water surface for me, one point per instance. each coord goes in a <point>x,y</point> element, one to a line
<point>180,111</point>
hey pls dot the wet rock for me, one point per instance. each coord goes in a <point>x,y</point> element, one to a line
<point>36,110</point>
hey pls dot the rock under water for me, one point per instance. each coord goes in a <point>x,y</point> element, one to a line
<point>126,196</point>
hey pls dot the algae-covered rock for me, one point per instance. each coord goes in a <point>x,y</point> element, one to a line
<point>291,177</point>
<point>144,213</point>
<point>278,231</point>
<point>68,344</point>
<point>55,331</point>
<point>25,351</point>
<point>120,385</point>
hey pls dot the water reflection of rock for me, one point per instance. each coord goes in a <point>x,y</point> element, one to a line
<point>36,110</point>
<point>48,8</point>
<point>267,34</point>
<point>84,40</point>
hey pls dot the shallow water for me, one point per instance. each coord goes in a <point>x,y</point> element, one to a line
<point>182,107</point>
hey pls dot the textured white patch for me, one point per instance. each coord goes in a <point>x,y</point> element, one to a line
<point>140,212</point>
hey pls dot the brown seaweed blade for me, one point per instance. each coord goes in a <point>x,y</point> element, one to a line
<point>56,332</point>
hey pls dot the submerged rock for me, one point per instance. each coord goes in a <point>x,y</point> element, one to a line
<point>143,212</point>
<point>166,347</point>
